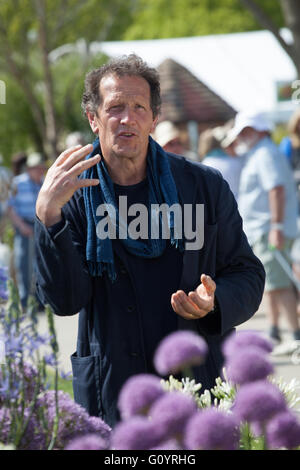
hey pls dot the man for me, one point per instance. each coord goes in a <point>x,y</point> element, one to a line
<point>130,291</point>
<point>268,205</point>
<point>21,211</point>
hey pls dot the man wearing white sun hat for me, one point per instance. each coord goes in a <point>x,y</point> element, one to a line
<point>268,205</point>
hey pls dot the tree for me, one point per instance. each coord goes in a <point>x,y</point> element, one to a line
<point>291,14</point>
<point>30,29</point>
<point>181,18</point>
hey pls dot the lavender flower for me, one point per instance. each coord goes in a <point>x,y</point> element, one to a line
<point>212,429</point>
<point>248,365</point>
<point>3,284</point>
<point>258,402</point>
<point>171,412</point>
<point>137,433</point>
<point>87,442</point>
<point>283,431</point>
<point>243,339</point>
<point>138,393</point>
<point>73,419</point>
<point>179,350</point>
<point>5,424</point>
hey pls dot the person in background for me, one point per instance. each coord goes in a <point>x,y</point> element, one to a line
<point>167,135</point>
<point>213,154</point>
<point>5,183</point>
<point>290,147</point>
<point>21,211</point>
<point>268,205</point>
<point>18,163</point>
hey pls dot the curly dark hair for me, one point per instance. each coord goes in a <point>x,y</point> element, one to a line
<point>131,65</point>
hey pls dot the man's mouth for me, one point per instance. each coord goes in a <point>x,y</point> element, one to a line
<point>127,135</point>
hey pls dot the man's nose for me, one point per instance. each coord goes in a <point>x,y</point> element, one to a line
<point>128,116</point>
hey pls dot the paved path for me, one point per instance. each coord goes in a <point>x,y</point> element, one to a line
<point>66,328</point>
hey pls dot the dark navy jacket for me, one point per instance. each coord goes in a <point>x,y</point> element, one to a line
<point>110,346</point>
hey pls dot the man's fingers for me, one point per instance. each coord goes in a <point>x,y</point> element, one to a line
<point>83,183</point>
<point>184,306</point>
<point>180,311</point>
<point>74,156</point>
<point>66,153</point>
<point>77,169</point>
<point>209,284</point>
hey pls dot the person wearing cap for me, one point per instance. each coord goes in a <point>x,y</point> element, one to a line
<point>268,205</point>
<point>21,211</point>
<point>167,135</point>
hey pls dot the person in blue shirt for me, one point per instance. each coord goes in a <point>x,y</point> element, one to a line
<point>21,211</point>
<point>131,291</point>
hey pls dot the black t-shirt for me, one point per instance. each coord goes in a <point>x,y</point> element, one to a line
<point>156,278</point>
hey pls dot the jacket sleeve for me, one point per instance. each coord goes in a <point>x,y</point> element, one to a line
<point>62,278</point>
<point>240,276</point>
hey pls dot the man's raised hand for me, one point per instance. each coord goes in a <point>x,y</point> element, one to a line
<point>62,181</point>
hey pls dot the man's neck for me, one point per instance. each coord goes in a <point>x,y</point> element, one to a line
<point>126,171</point>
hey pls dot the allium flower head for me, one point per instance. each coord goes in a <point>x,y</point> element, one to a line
<point>236,342</point>
<point>137,433</point>
<point>171,444</point>
<point>179,350</point>
<point>212,429</point>
<point>283,431</point>
<point>138,393</point>
<point>248,365</point>
<point>87,442</point>
<point>171,412</point>
<point>73,418</point>
<point>258,401</point>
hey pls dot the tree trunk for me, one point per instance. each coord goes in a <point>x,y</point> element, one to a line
<point>291,12</point>
<point>50,118</point>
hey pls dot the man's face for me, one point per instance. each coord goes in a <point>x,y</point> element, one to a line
<point>124,118</point>
<point>37,173</point>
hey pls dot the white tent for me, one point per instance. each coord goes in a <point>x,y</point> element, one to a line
<point>242,68</point>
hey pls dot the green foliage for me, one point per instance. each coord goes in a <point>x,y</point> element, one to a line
<point>181,18</point>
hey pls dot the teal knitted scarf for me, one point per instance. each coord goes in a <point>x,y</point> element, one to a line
<point>162,189</point>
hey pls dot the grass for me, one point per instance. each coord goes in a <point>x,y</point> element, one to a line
<point>63,384</point>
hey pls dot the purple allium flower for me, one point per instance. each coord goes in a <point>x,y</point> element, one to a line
<point>248,365</point>
<point>179,350</point>
<point>87,442</point>
<point>283,431</point>
<point>212,429</point>
<point>138,393</point>
<point>137,433</point>
<point>73,418</point>
<point>171,412</point>
<point>30,440</point>
<point>258,401</point>
<point>3,284</point>
<point>236,342</point>
<point>171,444</point>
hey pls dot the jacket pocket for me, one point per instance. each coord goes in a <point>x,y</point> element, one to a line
<point>86,383</point>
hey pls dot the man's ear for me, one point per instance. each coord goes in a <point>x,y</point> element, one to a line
<point>154,125</point>
<point>93,122</point>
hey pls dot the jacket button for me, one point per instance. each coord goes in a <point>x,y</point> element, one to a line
<point>130,309</point>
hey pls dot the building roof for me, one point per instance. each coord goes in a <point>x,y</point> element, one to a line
<point>186,98</point>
